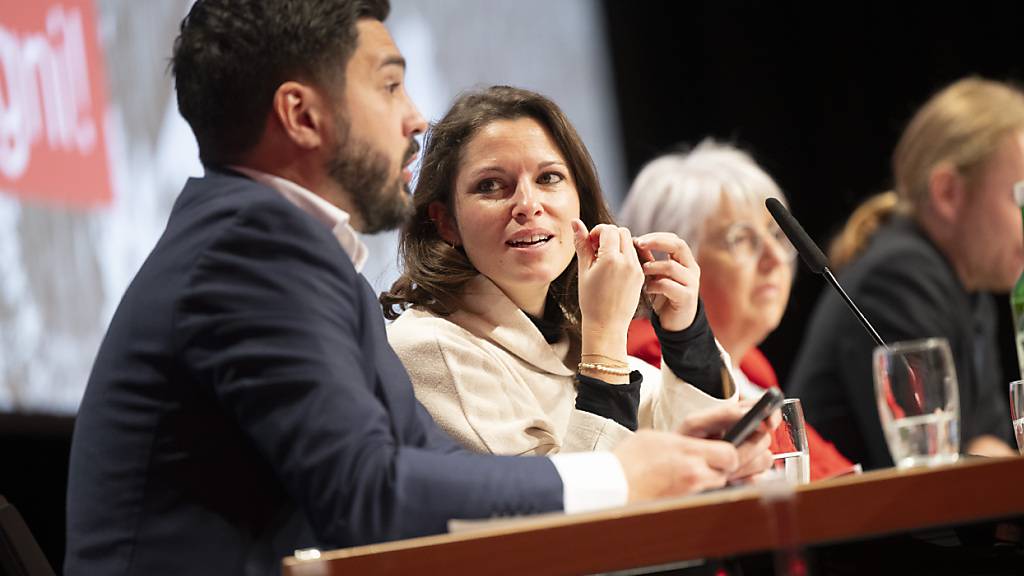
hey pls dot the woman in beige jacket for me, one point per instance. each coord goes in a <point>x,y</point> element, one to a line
<point>518,290</point>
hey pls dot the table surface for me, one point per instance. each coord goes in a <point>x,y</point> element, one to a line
<point>717,524</point>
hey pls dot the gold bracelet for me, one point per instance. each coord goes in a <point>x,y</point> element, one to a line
<point>609,361</point>
<point>616,370</point>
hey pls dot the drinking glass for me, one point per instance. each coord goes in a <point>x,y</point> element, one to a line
<point>789,444</point>
<point>1017,412</point>
<point>918,402</point>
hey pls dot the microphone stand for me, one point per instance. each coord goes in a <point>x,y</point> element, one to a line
<point>856,311</point>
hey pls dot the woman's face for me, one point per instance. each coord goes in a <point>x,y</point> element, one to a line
<point>746,273</point>
<point>514,200</point>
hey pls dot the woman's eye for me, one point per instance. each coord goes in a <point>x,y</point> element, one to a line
<point>747,239</point>
<point>550,178</point>
<point>743,237</point>
<point>488,185</point>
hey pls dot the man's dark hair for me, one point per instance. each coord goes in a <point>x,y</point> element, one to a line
<point>232,55</point>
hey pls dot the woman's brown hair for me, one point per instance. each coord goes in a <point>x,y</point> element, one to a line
<point>435,272</point>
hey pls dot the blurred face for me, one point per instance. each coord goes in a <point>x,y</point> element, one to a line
<point>514,200</point>
<point>746,273</point>
<point>375,131</point>
<point>988,229</point>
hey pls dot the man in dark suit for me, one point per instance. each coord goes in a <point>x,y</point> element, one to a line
<point>952,235</point>
<point>245,402</point>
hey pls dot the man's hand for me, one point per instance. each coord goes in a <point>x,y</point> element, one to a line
<point>661,464</point>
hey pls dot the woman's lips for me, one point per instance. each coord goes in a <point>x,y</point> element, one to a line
<point>534,242</point>
<point>766,290</point>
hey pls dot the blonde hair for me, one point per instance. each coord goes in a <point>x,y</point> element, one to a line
<point>678,192</point>
<point>962,125</point>
<point>861,226</point>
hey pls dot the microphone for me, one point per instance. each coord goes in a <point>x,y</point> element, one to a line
<point>815,259</point>
<point>818,263</point>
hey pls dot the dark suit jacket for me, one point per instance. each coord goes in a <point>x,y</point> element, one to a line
<point>908,291</point>
<point>245,403</point>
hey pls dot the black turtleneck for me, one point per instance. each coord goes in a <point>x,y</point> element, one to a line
<point>692,355</point>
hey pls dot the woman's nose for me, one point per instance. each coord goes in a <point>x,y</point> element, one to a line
<point>526,201</point>
<point>773,253</point>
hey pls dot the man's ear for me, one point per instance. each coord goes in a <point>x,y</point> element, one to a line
<point>301,113</point>
<point>444,222</point>
<point>947,192</point>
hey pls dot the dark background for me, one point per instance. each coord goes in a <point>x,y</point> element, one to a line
<point>817,93</point>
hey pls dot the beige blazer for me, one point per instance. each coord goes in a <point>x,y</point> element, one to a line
<point>488,377</point>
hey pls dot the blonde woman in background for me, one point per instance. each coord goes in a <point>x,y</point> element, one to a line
<point>949,234</point>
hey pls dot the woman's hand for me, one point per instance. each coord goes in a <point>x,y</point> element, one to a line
<point>610,280</point>
<point>672,284</point>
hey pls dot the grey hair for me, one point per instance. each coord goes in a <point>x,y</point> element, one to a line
<point>678,192</point>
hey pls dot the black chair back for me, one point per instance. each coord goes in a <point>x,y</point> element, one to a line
<point>20,554</point>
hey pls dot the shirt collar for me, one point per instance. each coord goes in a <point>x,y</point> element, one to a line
<point>332,216</point>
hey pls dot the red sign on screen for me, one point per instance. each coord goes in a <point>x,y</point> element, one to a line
<point>52,97</point>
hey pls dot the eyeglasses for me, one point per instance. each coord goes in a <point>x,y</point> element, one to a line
<point>746,243</point>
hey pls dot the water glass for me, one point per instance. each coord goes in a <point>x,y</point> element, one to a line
<point>789,444</point>
<point>918,402</point>
<point>1017,412</point>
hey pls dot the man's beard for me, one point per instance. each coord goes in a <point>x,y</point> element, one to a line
<point>362,172</point>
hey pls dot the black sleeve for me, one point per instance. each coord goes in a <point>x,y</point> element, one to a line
<point>991,406</point>
<point>619,402</point>
<point>692,355</point>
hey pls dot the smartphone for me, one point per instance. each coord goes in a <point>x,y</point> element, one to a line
<point>745,426</point>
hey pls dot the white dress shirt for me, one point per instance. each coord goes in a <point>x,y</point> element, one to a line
<point>747,389</point>
<point>590,480</point>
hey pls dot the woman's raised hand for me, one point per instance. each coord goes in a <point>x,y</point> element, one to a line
<point>672,284</point>
<point>610,280</point>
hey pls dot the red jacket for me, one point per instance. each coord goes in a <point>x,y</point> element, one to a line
<point>826,461</point>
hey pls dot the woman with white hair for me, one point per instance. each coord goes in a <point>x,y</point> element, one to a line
<point>713,198</point>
